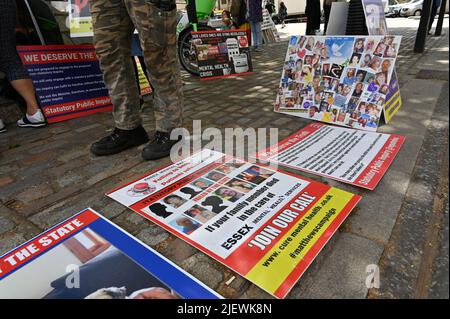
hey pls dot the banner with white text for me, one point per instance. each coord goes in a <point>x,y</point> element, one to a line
<point>356,157</point>
<point>88,257</point>
<point>266,225</point>
<point>67,79</point>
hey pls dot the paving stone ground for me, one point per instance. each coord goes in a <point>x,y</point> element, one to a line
<point>47,175</point>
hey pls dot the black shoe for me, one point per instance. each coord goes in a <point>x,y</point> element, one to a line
<point>119,140</point>
<point>159,147</point>
<point>2,127</point>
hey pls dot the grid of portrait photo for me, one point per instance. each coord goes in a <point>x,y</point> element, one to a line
<point>341,80</point>
<point>206,197</point>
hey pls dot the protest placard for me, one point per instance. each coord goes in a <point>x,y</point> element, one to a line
<point>339,80</point>
<point>86,256</point>
<point>356,157</point>
<point>80,20</point>
<point>67,79</point>
<point>376,25</point>
<point>269,30</point>
<point>375,17</point>
<point>222,53</point>
<point>264,224</point>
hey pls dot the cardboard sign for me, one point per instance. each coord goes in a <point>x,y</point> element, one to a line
<point>86,256</point>
<point>222,53</point>
<point>339,80</point>
<point>350,156</point>
<point>264,224</point>
<point>337,22</point>
<point>269,30</point>
<point>375,17</point>
<point>376,25</point>
<point>67,79</point>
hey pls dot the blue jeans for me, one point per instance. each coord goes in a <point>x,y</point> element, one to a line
<point>255,27</point>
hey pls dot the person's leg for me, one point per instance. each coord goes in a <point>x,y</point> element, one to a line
<point>326,12</point>
<point>11,65</point>
<point>433,14</point>
<point>253,32</point>
<point>113,30</point>
<point>26,90</point>
<point>259,33</point>
<point>157,32</point>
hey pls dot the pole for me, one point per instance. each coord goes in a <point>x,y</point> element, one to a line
<point>422,32</point>
<point>440,21</point>
<point>36,25</point>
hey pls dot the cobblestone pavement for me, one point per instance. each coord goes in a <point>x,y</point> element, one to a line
<point>47,175</point>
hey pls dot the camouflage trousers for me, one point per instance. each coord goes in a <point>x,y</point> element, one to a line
<point>114,22</point>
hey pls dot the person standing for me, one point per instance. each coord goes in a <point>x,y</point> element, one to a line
<point>434,9</point>
<point>238,11</point>
<point>255,17</point>
<point>113,24</point>
<point>15,72</point>
<point>326,12</point>
<point>282,14</point>
<point>312,12</point>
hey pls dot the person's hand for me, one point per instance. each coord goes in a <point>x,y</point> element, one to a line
<point>153,293</point>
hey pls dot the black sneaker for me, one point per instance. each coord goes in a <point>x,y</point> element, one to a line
<point>119,140</point>
<point>2,127</point>
<point>159,147</point>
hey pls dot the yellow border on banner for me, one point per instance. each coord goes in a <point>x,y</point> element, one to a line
<point>270,278</point>
<point>392,106</point>
<point>80,26</point>
<point>144,85</point>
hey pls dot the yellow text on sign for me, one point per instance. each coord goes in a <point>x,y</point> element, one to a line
<point>276,265</point>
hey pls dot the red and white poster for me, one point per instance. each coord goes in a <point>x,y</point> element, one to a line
<point>89,257</point>
<point>67,79</point>
<point>266,225</point>
<point>351,156</point>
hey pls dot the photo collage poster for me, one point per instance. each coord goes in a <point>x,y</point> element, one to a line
<point>341,80</point>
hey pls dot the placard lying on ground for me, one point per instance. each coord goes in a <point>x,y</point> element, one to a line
<point>67,79</point>
<point>222,53</point>
<point>355,157</point>
<point>266,225</point>
<point>339,80</point>
<point>86,256</point>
